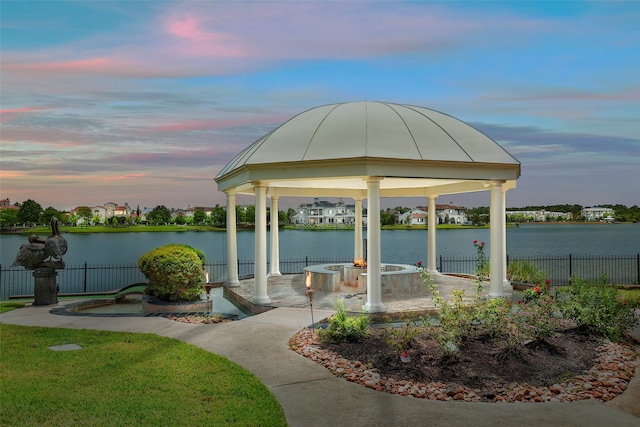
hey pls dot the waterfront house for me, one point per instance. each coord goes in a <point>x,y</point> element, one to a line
<point>445,214</point>
<point>598,213</point>
<point>449,214</point>
<point>326,212</point>
<point>102,213</point>
<point>538,216</point>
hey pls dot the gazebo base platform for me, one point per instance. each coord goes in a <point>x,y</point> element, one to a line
<point>289,290</point>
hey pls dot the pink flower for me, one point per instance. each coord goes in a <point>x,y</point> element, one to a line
<point>475,241</point>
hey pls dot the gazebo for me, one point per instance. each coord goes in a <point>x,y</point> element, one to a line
<point>367,150</point>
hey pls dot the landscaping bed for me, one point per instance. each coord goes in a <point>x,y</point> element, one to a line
<point>566,367</point>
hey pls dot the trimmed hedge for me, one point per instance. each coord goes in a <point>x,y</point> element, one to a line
<point>175,272</point>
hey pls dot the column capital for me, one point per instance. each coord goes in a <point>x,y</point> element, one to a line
<point>373,179</point>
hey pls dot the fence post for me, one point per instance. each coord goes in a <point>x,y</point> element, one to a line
<point>306,261</point>
<point>85,278</point>
<point>570,267</point>
<point>638,265</point>
<point>441,269</point>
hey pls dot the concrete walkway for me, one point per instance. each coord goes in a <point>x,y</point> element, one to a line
<point>311,396</point>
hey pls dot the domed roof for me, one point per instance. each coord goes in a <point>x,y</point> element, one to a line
<point>366,138</point>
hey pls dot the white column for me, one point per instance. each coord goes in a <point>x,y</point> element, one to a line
<point>431,236</point>
<point>496,240</point>
<point>374,285</point>
<point>275,244</point>
<point>260,267</point>
<point>504,237</point>
<point>232,241</point>
<point>357,243</point>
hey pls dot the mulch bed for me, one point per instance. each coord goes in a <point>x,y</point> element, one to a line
<point>569,366</point>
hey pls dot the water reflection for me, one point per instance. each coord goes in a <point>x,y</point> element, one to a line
<point>131,304</point>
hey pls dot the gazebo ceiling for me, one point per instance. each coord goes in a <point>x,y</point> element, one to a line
<point>331,150</point>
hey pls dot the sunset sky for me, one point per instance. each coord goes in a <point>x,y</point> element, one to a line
<point>145,101</point>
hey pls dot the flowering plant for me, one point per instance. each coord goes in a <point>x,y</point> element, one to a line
<point>536,292</point>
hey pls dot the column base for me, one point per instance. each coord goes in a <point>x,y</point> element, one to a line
<point>232,283</point>
<point>496,295</point>
<point>375,307</point>
<point>432,272</point>
<point>261,300</point>
<point>276,274</point>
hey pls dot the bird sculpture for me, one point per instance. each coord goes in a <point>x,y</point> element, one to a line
<point>56,245</point>
<point>31,254</point>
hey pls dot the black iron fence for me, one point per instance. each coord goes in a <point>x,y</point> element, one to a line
<point>92,279</point>
<point>618,269</point>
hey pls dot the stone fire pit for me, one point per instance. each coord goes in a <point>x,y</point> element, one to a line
<point>395,278</point>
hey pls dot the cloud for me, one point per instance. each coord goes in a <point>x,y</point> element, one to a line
<point>128,177</point>
<point>163,93</point>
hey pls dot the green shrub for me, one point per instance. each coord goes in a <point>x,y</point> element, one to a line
<point>399,338</point>
<point>343,327</point>
<point>598,309</point>
<point>175,273</point>
<point>525,272</point>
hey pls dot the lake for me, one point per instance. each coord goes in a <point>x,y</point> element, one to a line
<point>398,246</point>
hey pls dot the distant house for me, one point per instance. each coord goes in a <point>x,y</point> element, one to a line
<point>445,214</point>
<point>598,213</point>
<point>102,213</point>
<point>537,216</point>
<point>325,212</point>
<point>189,211</point>
<point>6,204</point>
<point>114,210</point>
<point>413,217</point>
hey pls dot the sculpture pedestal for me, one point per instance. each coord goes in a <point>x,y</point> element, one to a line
<point>46,290</point>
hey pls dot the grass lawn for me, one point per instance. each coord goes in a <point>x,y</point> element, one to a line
<point>124,379</point>
<point>8,306</point>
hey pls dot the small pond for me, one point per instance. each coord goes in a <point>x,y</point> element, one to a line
<point>130,305</point>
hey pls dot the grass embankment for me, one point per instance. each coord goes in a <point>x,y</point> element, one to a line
<point>45,230</point>
<point>124,379</point>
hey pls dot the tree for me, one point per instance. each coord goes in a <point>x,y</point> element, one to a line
<point>387,218</point>
<point>159,214</point>
<point>45,217</point>
<point>8,217</point>
<point>29,212</point>
<point>401,209</point>
<point>199,216</point>
<point>219,216</point>
<point>84,212</point>
<point>181,219</point>
<point>290,214</point>
<point>240,216</point>
<point>250,214</point>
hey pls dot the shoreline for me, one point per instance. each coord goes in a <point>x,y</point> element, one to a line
<point>44,230</point>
